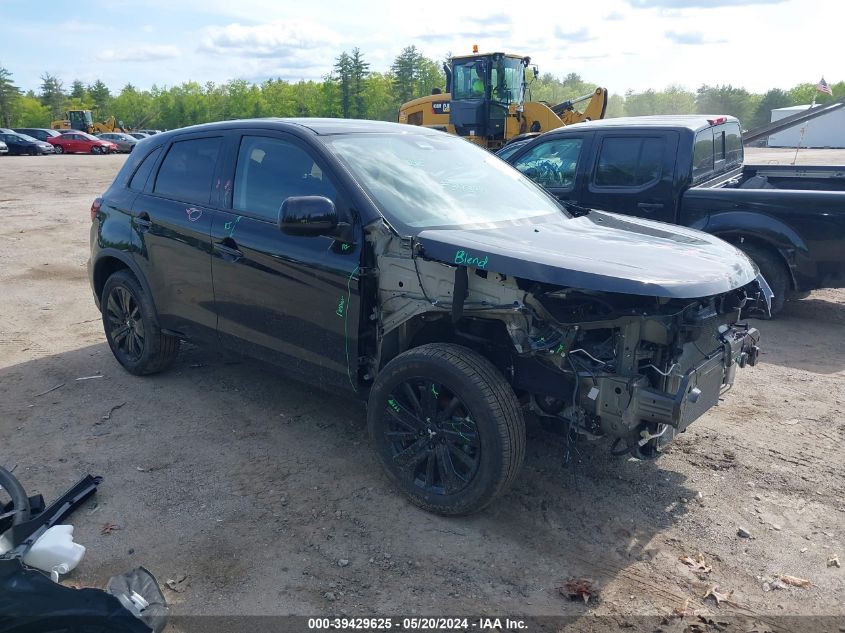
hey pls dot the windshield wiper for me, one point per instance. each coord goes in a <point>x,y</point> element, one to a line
<point>575,209</point>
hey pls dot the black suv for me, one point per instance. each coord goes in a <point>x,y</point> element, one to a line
<point>429,277</point>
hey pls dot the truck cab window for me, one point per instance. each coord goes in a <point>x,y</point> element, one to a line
<point>553,163</point>
<point>703,155</point>
<point>629,162</point>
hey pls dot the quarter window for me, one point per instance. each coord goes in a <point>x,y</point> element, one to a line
<point>629,162</point>
<point>142,174</point>
<point>188,170</point>
<point>271,170</point>
<point>553,163</point>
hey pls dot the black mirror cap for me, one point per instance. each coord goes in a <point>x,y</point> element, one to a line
<point>307,216</point>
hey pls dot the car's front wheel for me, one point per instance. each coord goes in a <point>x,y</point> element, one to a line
<point>59,149</point>
<point>447,427</point>
<point>131,329</point>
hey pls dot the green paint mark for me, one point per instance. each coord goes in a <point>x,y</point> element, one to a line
<point>341,304</point>
<point>230,226</point>
<point>346,329</point>
<point>559,349</point>
<point>394,405</point>
<point>435,392</point>
<point>468,259</point>
<point>345,247</point>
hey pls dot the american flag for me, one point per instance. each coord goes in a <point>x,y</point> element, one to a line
<point>823,87</point>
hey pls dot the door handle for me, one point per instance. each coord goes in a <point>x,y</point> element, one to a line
<point>650,206</point>
<point>143,221</point>
<point>228,250</point>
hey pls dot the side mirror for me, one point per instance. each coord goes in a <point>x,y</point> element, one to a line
<point>307,216</point>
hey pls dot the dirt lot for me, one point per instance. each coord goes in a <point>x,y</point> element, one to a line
<point>254,487</point>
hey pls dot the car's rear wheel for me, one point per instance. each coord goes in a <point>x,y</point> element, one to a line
<point>59,149</point>
<point>131,329</point>
<point>447,427</point>
<point>774,271</point>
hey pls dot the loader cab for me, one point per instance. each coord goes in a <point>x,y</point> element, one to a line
<point>80,120</point>
<point>484,88</point>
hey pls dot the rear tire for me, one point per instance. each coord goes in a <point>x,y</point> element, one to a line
<point>447,427</point>
<point>774,271</point>
<point>132,332</point>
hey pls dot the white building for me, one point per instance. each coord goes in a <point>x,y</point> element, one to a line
<point>827,130</point>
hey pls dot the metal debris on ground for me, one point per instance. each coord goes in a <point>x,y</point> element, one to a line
<point>717,595</point>
<point>697,564</point>
<point>107,416</point>
<point>108,528</point>
<point>580,589</point>
<point>44,393</point>
<point>833,561</point>
<point>743,533</point>
<point>794,581</point>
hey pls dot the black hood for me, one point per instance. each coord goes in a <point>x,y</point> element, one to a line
<point>600,251</point>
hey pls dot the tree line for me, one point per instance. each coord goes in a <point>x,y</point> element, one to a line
<point>353,90</point>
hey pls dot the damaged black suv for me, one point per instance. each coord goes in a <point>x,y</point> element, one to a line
<point>430,278</point>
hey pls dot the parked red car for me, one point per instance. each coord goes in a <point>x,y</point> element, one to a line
<point>81,142</point>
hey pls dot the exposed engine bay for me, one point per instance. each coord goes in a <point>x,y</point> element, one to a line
<point>632,368</point>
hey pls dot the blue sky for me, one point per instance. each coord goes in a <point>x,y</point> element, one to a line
<point>621,44</point>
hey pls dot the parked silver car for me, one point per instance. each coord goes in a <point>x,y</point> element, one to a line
<point>125,142</point>
<point>139,135</point>
<point>4,149</point>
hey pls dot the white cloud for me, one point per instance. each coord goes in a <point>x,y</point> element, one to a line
<point>139,54</point>
<point>272,39</point>
<point>691,38</point>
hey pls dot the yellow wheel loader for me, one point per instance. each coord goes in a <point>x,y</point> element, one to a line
<point>485,102</point>
<point>83,121</point>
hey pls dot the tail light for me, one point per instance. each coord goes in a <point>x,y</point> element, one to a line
<point>717,120</point>
<point>95,208</point>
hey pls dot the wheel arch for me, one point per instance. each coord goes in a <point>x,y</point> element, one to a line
<point>110,261</point>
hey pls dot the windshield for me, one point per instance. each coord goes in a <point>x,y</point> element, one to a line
<point>425,181</point>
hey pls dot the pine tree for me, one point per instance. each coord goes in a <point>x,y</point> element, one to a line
<point>9,95</point>
<point>404,70</point>
<point>360,70</point>
<point>77,90</point>
<point>53,94</point>
<point>102,98</point>
<point>343,76</point>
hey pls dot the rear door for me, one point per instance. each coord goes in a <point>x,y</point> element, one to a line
<point>633,173</point>
<point>287,299</point>
<point>556,163</point>
<point>171,224</point>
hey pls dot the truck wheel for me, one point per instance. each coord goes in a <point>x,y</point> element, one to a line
<point>447,427</point>
<point>773,270</point>
<point>133,335</point>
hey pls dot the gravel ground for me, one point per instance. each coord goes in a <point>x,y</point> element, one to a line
<point>264,494</point>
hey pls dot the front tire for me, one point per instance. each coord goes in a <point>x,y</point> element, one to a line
<point>131,330</point>
<point>59,149</point>
<point>447,427</point>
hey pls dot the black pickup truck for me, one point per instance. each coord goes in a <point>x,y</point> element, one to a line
<point>689,170</point>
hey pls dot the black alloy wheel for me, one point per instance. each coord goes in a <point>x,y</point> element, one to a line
<point>124,323</point>
<point>432,436</point>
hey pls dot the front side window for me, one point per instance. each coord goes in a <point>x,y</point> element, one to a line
<point>271,170</point>
<point>703,154</point>
<point>422,181</point>
<point>553,163</point>
<point>629,162</point>
<point>188,170</point>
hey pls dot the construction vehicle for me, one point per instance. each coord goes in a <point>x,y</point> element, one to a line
<point>83,121</point>
<point>485,101</point>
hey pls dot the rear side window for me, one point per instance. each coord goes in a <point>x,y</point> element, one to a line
<point>553,163</point>
<point>186,173</point>
<point>702,154</point>
<point>142,174</point>
<point>629,161</point>
<point>733,144</point>
<point>269,171</point>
